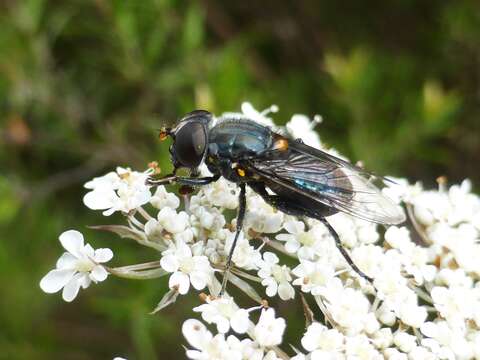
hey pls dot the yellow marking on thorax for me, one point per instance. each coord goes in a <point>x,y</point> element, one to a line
<point>240,172</point>
<point>281,144</point>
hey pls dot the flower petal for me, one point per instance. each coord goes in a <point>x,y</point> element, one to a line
<point>240,321</point>
<point>55,280</point>
<point>99,199</point>
<point>98,273</point>
<point>70,290</point>
<point>198,280</point>
<point>180,280</point>
<point>72,241</point>
<point>103,255</point>
<point>66,262</point>
<point>196,333</point>
<point>169,263</point>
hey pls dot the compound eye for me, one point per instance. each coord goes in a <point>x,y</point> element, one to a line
<point>190,144</point>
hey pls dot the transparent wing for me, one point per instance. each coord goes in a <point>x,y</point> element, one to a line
<point>330,181</point>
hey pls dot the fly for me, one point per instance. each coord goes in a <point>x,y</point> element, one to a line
<point>303,181</point>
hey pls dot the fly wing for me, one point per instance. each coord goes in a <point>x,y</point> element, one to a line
<point>329,180</point>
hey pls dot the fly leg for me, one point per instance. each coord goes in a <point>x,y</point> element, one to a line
<point>242,204</point>
<point>290,207</point>
<point>192,181</point>
<point>343,251</point>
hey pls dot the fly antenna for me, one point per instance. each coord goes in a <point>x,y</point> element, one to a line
<point>164,132</point>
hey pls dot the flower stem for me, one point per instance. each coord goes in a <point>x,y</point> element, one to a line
<point>139,275</point>
<point>277,246</point>
<point>144,213</point>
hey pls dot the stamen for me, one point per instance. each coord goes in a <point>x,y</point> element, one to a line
<point>317,119</point>
<point>272,109</point>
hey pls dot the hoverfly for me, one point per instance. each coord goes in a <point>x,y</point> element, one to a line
<point>302,181</point>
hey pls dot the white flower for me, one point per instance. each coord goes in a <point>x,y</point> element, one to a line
<point>250,349</point>
<point>122,190</point>
<point>455,304</point>
<point>412,314</point>
<point>348,307</point>
<point>369,258</point>
<point>77,267</point>
<point>446,342</point>
<point>276,277</point>
<point>419,352</point>
<point>306,244</point>
<point>186,268</point>
<point>245,255</point>
<point>400,190</point>
<point>454,277</point>
<point>259,116</point>
<point>394,354</point>
<point>313,276</point>
<point>269,330</point>
<point>271,355</point>
<point>404,341</point>
<point>225,314</point>
<point>221,193</point>
<point>204,216</point>
<point>301,127</point>
<point>359,347</point>
<point>322,341</point>
<point>383,338</point>
<point>261,217</point>
<point>386,315</point>
<point>162,198</point>
<point>207,346</point>
<point>414,258</point>
<point>172,221</point>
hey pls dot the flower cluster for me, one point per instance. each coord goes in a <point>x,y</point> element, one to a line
<point>424,302</point>
<point>263,336</point>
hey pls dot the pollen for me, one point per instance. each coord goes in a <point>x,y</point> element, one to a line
<point>240,172</point>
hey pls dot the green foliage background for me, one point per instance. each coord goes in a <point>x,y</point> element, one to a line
<point>85,83</point>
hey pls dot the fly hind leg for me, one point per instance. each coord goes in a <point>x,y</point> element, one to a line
<point>292,207</point>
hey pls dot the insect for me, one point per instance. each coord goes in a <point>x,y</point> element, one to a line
<point>291,176</point>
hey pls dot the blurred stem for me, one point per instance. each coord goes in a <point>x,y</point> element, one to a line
<point>135,222</point>
<point>324,311</point>
<point>127,272</point>
<point>246,275</point>
<point>245,287</point>
<point>144,213</point>
<point>417,226</point>
<point>422,294</point>
<point>277,246</point>
<point>136,267</point>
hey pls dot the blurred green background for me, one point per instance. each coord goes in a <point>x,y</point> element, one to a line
<point>85,83</point>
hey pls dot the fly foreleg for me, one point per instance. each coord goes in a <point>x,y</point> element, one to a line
<point>192,181</point>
